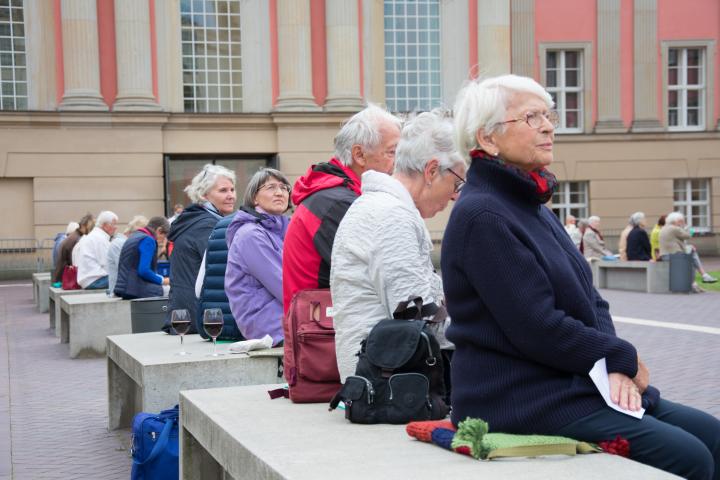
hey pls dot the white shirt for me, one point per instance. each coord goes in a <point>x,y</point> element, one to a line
<point>113,260</point>
<point>574,233</point>
<point>380,257</point>
<point>90,256</point>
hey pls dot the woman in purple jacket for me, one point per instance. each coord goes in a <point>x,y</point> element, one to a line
<point>253,279</point>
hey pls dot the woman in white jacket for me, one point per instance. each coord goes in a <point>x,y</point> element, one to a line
<point>381,252</point>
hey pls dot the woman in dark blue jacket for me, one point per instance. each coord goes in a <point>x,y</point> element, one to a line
<point>137,268</point>
<point>527,323</point>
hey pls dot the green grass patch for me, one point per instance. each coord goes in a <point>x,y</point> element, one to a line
<point>710,287</point>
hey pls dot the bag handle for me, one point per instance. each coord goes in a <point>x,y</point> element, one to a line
<point>431,311</point>
<point>161,443</point>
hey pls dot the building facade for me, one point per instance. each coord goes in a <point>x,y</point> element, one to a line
<point>115,104</point>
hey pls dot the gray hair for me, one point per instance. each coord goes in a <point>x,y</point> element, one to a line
<point>593,219</point>
<point>481,105</point>
<point>71,227</point>
<point>426,136</point>
<point>158,224</point>
<point>137,222</point>
<point>204,181</point>
<point>636,218</point>
<point>106,217</point>
<point>673,217</point>
<point>258,180</point>
<point>363,129</point>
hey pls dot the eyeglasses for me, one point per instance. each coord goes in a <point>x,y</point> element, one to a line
<point>535,119</point>
<point>458,185</point>
<point>273,187</point>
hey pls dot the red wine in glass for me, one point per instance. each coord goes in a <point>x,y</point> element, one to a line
<point>180,321</point>
<point>213,324</point>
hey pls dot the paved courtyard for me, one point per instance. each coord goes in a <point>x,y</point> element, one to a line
<point>53,410</point>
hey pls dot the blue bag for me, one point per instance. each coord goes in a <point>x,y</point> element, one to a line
<point>155,446</point>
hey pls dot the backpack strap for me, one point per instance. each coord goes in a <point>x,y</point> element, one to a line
<point>161,443</point>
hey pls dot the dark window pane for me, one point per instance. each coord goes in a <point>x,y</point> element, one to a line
<point>551,59</point>
<point>673,117</point>
<point>571,59</point>
<point>693,57</point>
<point>673,57</point>
<point>551,78</point>
<point>693,117</point>
<point>672,76</point>
<point>693,98</point>
<point>571,78</point>
<point>571,100</point>
<point>571,119</point>
<point>693,76</point>
<point>673,99</point>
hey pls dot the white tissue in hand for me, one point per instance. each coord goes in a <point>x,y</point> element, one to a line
<point>247,345</point>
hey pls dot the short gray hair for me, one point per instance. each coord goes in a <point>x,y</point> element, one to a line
<point>426,136</point>
<point>482,104</point>
<point>593,219</point>
<point>71,227</point>
<point>636,218</point>
<point>203,182</point>
<point>158,224</point>
<point>106,217</point>
<point>258,180</point>
<point>673,217</point>
<point>362,129</point>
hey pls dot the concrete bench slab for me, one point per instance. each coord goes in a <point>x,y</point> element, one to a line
<point>54,295</point>
<point>145,374</point>
<point>241,433</point>
<point>86,320</point>
<point>650,277</point>
<point>41,283</point>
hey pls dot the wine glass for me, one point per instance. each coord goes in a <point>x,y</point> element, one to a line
<point>213,325</point>
<point>180,321</point>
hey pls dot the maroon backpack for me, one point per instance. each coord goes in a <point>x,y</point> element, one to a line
<point>310,364</point>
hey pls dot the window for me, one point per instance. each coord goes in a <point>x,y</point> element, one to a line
<point>412,55</point>
<point>570,198</point>
<point>686,88</point>
<point>691,197</point>
<point>13,73</point>
<point>564,81</point>
<point>212,74</point>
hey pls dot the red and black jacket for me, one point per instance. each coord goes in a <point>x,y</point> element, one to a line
<point>322,196</point>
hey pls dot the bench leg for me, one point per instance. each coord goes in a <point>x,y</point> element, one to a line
<point>51,312</point>
<point>123,397</point>
<point>195,461</point>
<point>64,327</point>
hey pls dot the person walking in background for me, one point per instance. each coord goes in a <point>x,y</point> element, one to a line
<point>212,192</point>
<point>177,210</point>
<point>137,270</point>
<point>622,242</point>
<point>116,244</point>
<point>655,238</point>
<point>67,246</point>
<point>572,230</point>
<point>90,254</point>
<point>253,279</point>
<point>673,239</point>
<point>638,242</point>
<point>71,227</point>
<point>593,241</point>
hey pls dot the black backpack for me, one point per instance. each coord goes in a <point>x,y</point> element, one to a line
<point>399,376</point>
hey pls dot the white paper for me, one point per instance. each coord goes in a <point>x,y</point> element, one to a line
<point>599,376</point>
<point>245,346</point>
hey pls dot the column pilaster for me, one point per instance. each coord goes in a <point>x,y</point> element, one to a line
<point>493,37</point>
<point>343,56</point>
<point>608,67</point>
<point>645,87</point>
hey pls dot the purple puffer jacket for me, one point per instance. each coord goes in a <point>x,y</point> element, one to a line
<point>253,278</point>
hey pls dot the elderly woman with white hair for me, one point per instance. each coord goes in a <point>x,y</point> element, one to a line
<point>638,241</point>
<point>381,254</point>
<point>212,192</point>
<point>673,239</point>
<point>527,323</point>
<point>593,241</point>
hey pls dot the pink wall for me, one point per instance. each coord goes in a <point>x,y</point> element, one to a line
<point>318,50</point>
<point>568,21</point>
<point>106,50</point>
<point>59,59</point>
<point>691,20</point>
<point>627,95</point>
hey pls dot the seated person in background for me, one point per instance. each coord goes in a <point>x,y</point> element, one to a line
<point>71,227</point>
<point>655,238</point>
<point>593,242</point>
<point>381,254</point>
<point>116,244</point>
<point>572,230</point>
<point>622,241</point>
<point>527,323</point>
<point>137,269</point>
<point>90,254</point>
<point>673,238</point>
<point>638,242</point>
<point>67,246</point>
<point>253,279</point>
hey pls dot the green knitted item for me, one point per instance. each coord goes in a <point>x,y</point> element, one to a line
<point>473,434</point>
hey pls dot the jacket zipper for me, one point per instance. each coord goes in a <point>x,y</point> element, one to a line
<point>370,389</point>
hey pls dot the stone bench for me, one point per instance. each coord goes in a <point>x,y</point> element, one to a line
<point>54,295</point>
<point>650,277</point>
<point>87,319</point>
<point>145,374</point>
<point>41,283</point>
<point>239,433</point>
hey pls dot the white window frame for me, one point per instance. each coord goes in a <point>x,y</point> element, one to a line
<point>685,205</point>
<point>565,205</point>
<point>19,101</point>
<point>707,77</point>
<point>585,79</point>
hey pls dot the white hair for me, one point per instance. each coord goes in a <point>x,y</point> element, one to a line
<point>482,104</point>
<point>204,181</point>
<point>673,217</point>
<point>71,227</point>
<point>593,219</point>
<point>106,217</point>
<point>363,129</point>
<point>426,136</point>
<point>636,218</point>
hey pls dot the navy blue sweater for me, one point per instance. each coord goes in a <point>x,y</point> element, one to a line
<point>527,323</point>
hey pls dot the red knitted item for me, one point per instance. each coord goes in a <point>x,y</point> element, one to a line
<point>423,430</point>
<point>619,446</point>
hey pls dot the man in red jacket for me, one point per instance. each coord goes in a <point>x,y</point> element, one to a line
<point>366,141</point>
